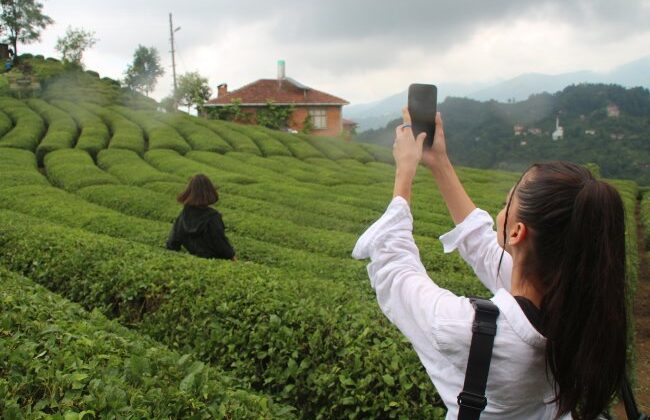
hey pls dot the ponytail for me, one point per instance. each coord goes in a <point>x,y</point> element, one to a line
<point>577,259</point>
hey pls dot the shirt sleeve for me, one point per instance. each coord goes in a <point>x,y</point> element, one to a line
<point>219,239</point>
<point>174,240</point>
<point>406,294</point>
<point>477,244</point>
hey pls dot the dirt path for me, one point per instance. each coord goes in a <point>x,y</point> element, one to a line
<point>642,326</point>
<point>642,329</point>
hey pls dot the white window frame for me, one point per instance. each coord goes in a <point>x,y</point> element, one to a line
<point>318,118</point>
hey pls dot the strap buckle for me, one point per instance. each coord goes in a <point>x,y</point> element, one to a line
<point>471,400</point>
<point>485,317</point>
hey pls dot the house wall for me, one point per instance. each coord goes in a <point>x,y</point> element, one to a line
<point>334,119</point>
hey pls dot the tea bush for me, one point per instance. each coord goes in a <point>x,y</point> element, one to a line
<point>57,359</point>
<point>28,126</point>
<point>94,134</point>
<point>61,128</point>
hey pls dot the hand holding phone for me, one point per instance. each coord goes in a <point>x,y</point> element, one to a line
<point>422,106</point>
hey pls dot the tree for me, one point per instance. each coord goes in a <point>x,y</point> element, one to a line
<point>143,74</point>
<point>73,45</point>
<point>193,89</point>
<point>168,104</point>
<point>23,21</point>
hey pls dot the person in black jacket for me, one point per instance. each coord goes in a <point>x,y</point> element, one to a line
<point>199,228</point>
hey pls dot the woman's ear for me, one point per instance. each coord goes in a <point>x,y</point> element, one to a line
<point>517,234</point>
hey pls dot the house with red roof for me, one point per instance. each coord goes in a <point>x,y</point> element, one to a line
<point>323,109</point>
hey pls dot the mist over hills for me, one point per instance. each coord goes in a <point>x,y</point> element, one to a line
<point>376,114</point>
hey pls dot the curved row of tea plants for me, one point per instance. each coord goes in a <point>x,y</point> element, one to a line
<point>125,134</point>
<point>72,169</point>
<point>61,132</point>
<point>331,357</point>
<point>158,134</point>
<point>56,358</point>
<point>28,126</point>
<point>94,135</point>
<point>196,135</point>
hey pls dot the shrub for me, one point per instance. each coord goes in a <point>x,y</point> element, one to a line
<point>350,150</point>
<point>196,135</point>
<point>230,164</point>
<point>56,358</point>
<point>171,162</point>
<point>326,147</point>
<point>72,169</point>
<point>125,134</point>
<point>5,124</point>
<point>18,167</point>
<point>335,357</point>
<point>645,218</point>
<point>94,134</point>
<point>266,144</point>
<point>158,134</point>
<point>130,168</point>
<point>61,128</point>
<point>298,147</point>
<point>380,153</point>
<point>28,128</point>
<point>237,140</point>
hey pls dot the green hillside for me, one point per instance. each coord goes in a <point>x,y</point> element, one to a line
<point>88,178</point>
<point>481,134</point>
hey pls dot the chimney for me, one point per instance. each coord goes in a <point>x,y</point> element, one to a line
<point>222,89</point>
<point>281,74</point>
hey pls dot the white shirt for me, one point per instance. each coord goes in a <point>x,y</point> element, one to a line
<point>439,324</point>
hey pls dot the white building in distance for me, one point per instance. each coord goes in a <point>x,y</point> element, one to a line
<point>558,134</point>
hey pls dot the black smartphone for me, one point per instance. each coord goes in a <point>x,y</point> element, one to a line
<point>422,105</point>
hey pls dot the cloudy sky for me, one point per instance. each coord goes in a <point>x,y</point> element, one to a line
<point>361,50</point>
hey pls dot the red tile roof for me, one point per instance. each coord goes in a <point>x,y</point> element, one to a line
<point>285,93</point>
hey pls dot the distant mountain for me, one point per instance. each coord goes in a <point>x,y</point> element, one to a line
<point>377,114</point>
<point>605,124</point>
<point>521,87</point>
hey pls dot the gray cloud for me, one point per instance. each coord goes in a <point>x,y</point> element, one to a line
<point>350,37</point>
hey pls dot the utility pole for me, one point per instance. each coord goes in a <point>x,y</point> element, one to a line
<point>171,35</point>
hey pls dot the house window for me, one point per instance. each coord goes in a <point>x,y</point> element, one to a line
<point>318,118</point>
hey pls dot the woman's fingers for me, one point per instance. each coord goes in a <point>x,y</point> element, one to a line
<point>420,140</point>
<point>440,131</point>
<point>406,116</point>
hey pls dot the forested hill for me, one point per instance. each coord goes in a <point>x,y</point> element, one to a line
<point>482,134</point>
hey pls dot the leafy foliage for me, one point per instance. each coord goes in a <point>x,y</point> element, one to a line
<point>73,45</point>
<point>142,75</point>
<point>193,90</point>
<point>274,116</point>
<point>23,21</point>
<point>480,134</point>
<point>56,358</point>
<point>61,128</point>
<point>293,318</point>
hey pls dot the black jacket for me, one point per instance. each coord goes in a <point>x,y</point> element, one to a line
<point>201,231</point>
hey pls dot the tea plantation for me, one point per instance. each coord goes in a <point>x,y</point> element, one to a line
<point>97,318</point>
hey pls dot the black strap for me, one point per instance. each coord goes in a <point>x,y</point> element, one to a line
<point>471,400</point>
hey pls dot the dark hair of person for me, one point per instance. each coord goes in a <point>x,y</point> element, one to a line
<point>200,192</point>
<point>577,261</point>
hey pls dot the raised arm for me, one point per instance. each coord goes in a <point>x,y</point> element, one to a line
<point>474,236</point>
<point>452,191</point>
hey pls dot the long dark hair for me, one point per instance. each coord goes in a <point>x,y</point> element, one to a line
<point>577,261</point>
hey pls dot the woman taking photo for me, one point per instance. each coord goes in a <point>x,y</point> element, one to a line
<point>556,267</point>
<point>199,227</point>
